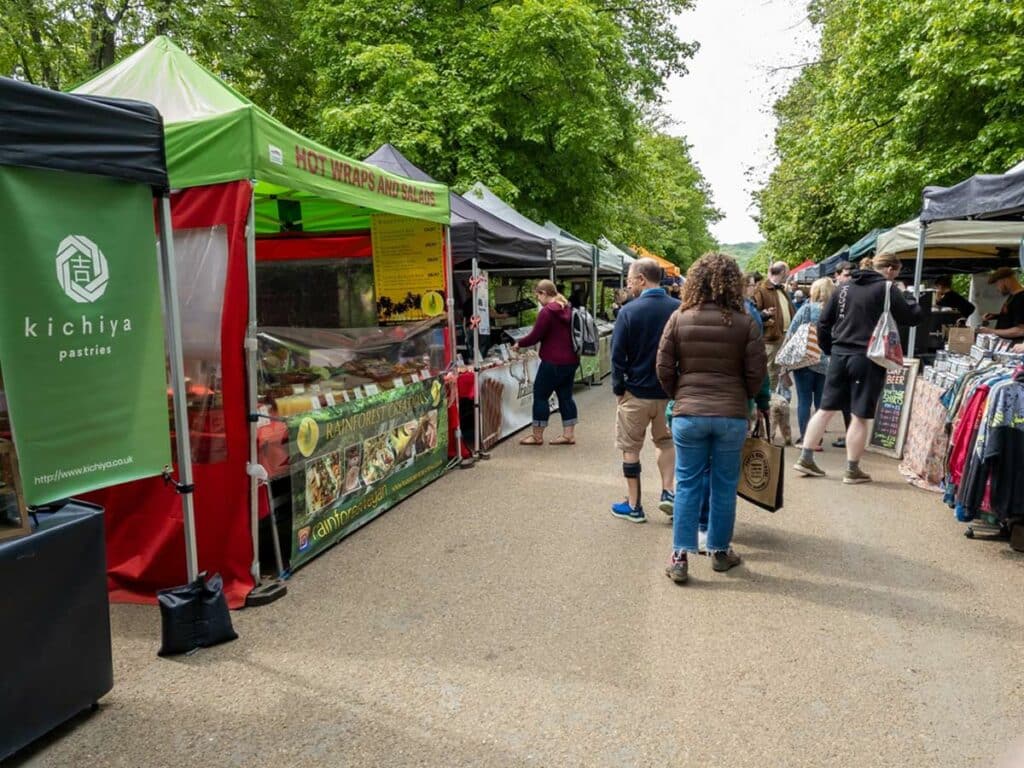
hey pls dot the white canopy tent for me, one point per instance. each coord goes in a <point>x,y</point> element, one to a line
<point>954,240</point>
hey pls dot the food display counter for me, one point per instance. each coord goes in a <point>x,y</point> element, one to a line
<point>356,419</point>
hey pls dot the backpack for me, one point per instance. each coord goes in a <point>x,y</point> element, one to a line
<point>584,333</point>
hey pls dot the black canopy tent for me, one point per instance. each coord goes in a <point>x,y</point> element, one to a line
<point>118,139</point>
<point>46,129</point>
<point>983,196</point>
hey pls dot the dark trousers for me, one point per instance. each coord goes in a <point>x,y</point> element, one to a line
<point>556,379</point>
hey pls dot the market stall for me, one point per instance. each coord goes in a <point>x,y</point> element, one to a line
<point>83,391</point>
<point>976,225</point>
<point>507,375</point>
<point>485,246</point>
<point>951,247</point>
<point>242,178</point>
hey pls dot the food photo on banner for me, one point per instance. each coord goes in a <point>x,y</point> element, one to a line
<point>349,463</point>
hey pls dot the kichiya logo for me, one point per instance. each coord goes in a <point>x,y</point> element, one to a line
<point>82,269</point>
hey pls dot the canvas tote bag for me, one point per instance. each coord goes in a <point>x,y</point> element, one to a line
<point>761,470</point>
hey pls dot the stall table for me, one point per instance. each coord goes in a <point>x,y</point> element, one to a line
<point>925,448</point>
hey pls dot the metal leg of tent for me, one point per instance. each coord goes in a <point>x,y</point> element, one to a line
<point>168,275</point>
<point>918,272</point>
<point>478,421</point>
<point>449,272</point>
<point>267,592</point>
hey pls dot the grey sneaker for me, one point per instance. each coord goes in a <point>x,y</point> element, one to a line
<point>678,569</point>
<point>723,560</point>
<point>808,468</point>
<point>856,476</point>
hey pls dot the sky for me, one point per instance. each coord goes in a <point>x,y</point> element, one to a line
<point>723,106</point>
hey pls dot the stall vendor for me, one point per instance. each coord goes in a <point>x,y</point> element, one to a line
<point>945,296</point>
<point>1010,319</point>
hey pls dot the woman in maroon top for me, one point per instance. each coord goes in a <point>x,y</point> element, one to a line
<point>558,363</point>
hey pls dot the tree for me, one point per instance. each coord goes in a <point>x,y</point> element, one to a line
<point>906,93</point>
<point>542,101</point>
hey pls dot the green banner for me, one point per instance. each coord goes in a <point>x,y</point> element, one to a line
<point>352,462</point>
<point>81,331</point>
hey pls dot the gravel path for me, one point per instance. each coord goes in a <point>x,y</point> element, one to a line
<point>502,617</point>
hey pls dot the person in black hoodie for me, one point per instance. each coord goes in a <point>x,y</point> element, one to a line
<point>844,331</point>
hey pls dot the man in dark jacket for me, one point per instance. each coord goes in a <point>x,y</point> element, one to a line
<point>642,401</point>
<point>844,331</point>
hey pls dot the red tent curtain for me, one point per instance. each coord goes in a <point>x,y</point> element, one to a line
<point>145,535</point>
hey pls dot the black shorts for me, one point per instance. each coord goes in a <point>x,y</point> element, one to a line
<point>855,382</point>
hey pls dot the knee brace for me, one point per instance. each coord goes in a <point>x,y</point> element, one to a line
<point>631,469</point>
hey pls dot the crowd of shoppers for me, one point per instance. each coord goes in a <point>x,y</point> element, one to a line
<point>695,372</point>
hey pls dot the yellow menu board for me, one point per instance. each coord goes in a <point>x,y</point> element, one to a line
<point>408,268</point>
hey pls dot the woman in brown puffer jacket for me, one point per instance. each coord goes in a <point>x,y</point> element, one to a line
<point>712,357</point>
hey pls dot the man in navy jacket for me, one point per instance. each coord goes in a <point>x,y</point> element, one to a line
<point>641,399</point>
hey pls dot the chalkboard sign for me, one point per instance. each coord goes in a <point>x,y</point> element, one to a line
<point>892,414</point>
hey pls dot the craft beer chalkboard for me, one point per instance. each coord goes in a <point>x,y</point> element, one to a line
<point>893,411</point>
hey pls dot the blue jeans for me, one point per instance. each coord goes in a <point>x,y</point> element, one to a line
<point>706,443</point>
<point>557,379</point>
<point>809,386</point>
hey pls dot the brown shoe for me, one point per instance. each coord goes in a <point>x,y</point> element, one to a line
<point>723,560</point>
<point>678,568</point>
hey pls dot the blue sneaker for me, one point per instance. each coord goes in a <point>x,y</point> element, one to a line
<point>626,512</point>
<point>667,503</point>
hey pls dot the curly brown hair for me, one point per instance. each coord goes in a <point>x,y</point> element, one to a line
<point>714,278</point>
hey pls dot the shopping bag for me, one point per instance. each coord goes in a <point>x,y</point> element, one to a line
<point>884,347</point>
<point>761,470</point>
<point>194,615</point>
<point>801,349</point>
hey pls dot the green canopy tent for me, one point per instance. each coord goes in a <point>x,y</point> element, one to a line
<point>216,136</point>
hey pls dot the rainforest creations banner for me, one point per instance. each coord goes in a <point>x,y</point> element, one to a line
<point>81,332</point>
<point>353,461</point>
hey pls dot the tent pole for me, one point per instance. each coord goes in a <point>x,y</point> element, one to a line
<point>918,272</point>
<point>263,593</point>
<point>553,270</point>
<point>174,354</point>
<point>595,256</point>
<point>250,358</point>
<point>622,272</point>
<point>449,275</point>
<point>477,362</point>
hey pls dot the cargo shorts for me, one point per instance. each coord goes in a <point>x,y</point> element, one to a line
<point>632,419</point>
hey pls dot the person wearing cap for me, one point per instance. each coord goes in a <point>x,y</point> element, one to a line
<point>1010,319</point>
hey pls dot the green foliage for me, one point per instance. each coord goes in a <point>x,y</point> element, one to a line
<point>544,101</point>
<point>744,253</point>
<point>906,93</point>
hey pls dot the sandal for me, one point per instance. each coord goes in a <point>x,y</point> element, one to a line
<point>531,440</point>
<point>563,440</point>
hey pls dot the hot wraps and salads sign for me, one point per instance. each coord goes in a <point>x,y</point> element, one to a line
<point>81,332</point>
<point>351,462</point>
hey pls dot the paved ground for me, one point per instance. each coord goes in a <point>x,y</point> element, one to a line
<point>502,617</point>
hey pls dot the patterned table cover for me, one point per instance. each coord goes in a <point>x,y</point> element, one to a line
<point>925,449</point>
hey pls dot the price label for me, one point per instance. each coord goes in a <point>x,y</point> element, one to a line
<point>329,397</point>
<point>398,383</point>
<point>345,395</point>
<point>315,402</point>
<point>372,389</point>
